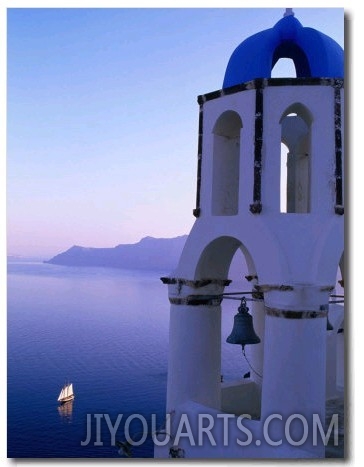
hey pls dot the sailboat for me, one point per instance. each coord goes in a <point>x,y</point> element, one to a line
<point>66,393</point>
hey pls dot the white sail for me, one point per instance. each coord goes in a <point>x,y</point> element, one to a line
<point>62,394</point>
<point>66,393</point>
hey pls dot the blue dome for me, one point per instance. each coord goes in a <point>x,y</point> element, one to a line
<point>314,54</point>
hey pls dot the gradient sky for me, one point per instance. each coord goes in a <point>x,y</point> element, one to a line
<point>102,117</point>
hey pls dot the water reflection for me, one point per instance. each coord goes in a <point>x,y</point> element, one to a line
<point>65,411</point>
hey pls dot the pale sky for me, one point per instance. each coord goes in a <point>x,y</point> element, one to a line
<point>102,128</point>
<point>102,117</point>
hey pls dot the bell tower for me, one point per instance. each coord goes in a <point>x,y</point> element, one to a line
<point>290,229</point>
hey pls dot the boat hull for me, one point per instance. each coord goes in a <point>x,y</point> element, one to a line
<point>67,399</point>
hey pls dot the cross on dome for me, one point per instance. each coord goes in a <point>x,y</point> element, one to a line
<point>288,12</point>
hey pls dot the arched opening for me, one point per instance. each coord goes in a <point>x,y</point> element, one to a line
<point>216,258</point>
<point>288,51</point>
<point>241,374</point>
<point>226,162</point>
<point>296,162</point>
<point>233,366</point>
<point>284,68</point>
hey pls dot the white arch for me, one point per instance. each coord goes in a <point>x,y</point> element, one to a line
<point>296,123</point>
<point>226,163</point>
<point>208,252</point>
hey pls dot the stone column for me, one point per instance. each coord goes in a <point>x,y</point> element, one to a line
<point>295,363</point>
<point>194,366</point>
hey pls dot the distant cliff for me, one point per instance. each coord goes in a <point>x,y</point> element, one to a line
<point>149,253</point>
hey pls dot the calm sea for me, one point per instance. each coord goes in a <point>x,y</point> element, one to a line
<point>104,330</point>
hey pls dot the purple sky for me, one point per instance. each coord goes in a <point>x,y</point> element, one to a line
<point>102,117</point>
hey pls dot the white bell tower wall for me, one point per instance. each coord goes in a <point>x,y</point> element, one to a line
<point>294,255</point>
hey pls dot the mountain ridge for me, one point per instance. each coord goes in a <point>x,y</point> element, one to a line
<point>148,253</point>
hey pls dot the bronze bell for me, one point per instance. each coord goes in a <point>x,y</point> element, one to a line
<point>243,332</point>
